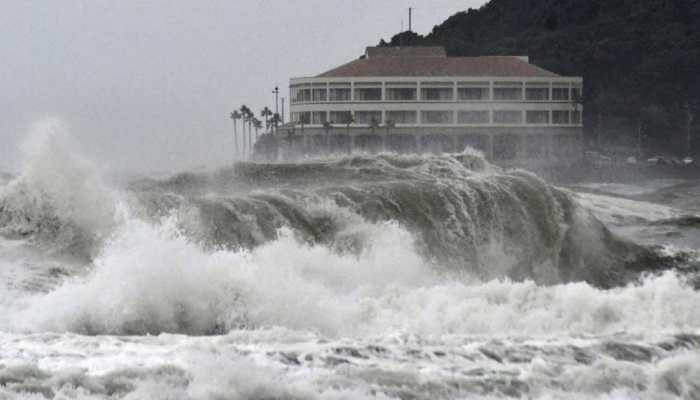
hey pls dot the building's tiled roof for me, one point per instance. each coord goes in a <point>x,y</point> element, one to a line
<point>429,62</point>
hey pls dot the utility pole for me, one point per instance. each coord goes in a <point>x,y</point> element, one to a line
<point>410,19</point>
<point>276,92</point>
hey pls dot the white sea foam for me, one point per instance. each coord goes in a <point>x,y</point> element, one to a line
<point>363,315</point>
<point>284,364</point>
<point>150,279</point>
<point>57,191</point>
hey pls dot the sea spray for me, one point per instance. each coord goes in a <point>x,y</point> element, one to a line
<point>58,200</point>
<point>152,279</point>
<point>379,277</point>
<point>480,221</point>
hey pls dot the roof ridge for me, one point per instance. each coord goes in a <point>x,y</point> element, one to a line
<point>487,65</point>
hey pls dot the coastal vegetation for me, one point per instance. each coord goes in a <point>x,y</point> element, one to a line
<point>640,60</point>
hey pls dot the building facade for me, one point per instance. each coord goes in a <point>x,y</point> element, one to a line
<point>417,99</point>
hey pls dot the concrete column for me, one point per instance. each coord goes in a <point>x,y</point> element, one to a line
<point>522,91</point>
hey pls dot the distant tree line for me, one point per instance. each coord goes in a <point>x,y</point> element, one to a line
<point>640,60</point>
<point>244,146</point>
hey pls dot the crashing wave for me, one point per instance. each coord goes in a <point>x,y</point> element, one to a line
<point>464,214</point>
<point>151,279</point>
<point>357,244</point>
<point>58,200</point>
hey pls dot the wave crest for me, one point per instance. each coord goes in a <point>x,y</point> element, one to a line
<point>58,200</point>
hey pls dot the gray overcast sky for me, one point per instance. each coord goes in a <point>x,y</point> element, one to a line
<point>147,85</point>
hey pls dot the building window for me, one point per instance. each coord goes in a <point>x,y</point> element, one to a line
<point>473,117</point>
<point>402,117</point>
<point>436,117</point>
<point>368,94</point>
<point>339,94</point>
<point>340,117</point>
<point>401,94</point>
<point>537,117</point>
<point>473,93</point>
<point>507,93</point>
<point>560,117</point>
<point>318,117</point>
<point>437,94</point>
<point>560,94</point>
<point>302,117</point>
<point>507,117</point>
<point>576,117</point>
<point>300,95</point>
<point>320,95</point>
<point>294,94</point>
<point>537,94</point>
<point>366,117</point>
<point>576,94</point>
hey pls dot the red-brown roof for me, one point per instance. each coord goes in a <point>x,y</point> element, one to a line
<point>405,62</point>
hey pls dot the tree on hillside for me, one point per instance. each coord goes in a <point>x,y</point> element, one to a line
<point>643,49</point>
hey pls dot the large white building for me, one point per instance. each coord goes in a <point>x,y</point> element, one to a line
<point>412,99</point>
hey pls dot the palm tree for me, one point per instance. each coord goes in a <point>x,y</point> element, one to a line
<point>250,119</point>
<point>373,124</point>
<point>266,113</point>
<point>244,116</point>
<point>389,126</point>
<point>235,116</point>
<point>349,122</point>
<point>327,126</point>
<point>257,124</point>
<point>276,119</point>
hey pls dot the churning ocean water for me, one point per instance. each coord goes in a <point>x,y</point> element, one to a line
<point>356,277</point>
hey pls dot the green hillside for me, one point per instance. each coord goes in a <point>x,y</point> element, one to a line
<point>640,59</point>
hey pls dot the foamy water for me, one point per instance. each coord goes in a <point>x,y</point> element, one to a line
<point>359,288</point>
